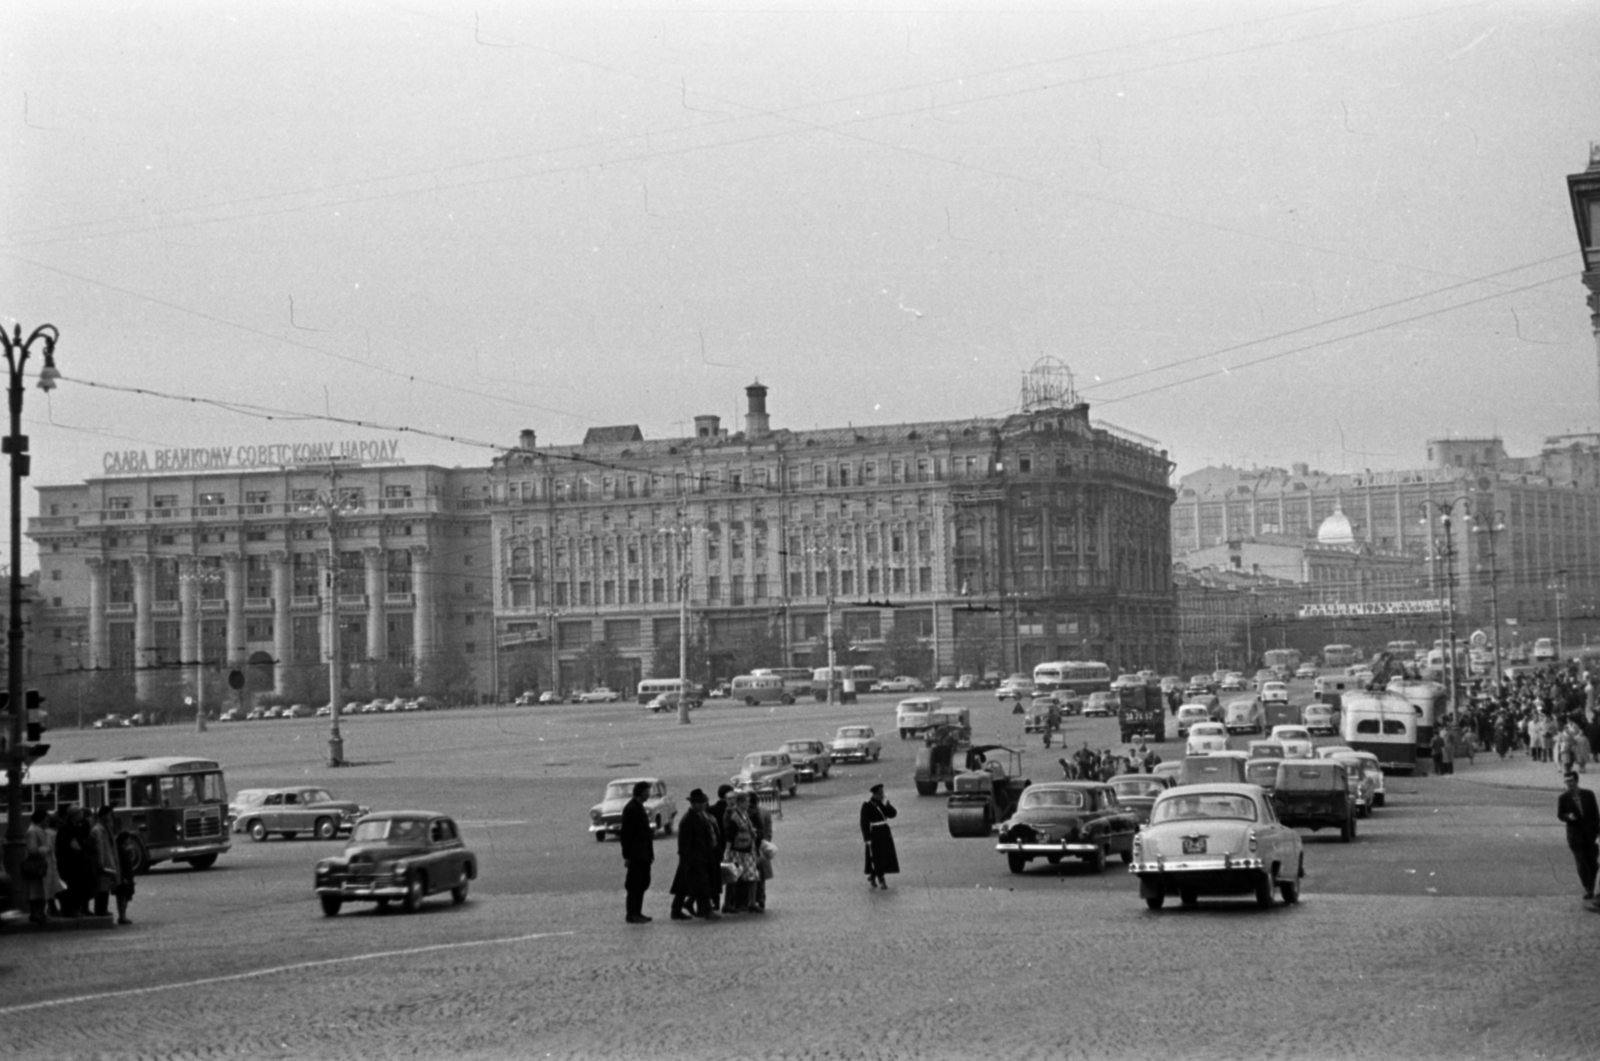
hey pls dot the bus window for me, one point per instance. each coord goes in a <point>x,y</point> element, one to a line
<point>144,792</point>
<point>1392,726</point>
<point>66,792</point>
<point>117,792</point>
<point>1367,725</point>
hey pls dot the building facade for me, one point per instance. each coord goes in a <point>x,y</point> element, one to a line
<point>161,576</point>
<point>993,543</point>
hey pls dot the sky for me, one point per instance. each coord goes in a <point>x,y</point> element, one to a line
<point>1256,233</point>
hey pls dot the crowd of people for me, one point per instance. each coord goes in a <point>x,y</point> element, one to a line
<point>1551,714</point>
<point>75,863</point>
<point>725,854</point>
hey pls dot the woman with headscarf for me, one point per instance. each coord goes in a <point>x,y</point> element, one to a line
<point>739,832</point>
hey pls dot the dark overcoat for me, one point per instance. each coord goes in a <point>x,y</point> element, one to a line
<point>637,835</point>
<point>881,856</point>
<point>1581,815</point>
<point>699,859</point>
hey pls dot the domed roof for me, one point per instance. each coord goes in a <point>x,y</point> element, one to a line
<point>1336,530</point>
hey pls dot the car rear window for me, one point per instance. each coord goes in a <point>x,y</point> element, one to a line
<point>1183,808</point>
<point>1308,777</point>
<point>1069,798</point>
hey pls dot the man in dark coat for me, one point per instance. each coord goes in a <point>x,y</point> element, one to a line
<point>718,809</point>
<point>638,851</point>
<point>699,862</point>
<point>1578,809</point>
<point>881,856</point>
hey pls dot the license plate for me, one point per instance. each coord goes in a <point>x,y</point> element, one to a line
<point>1194,845</point>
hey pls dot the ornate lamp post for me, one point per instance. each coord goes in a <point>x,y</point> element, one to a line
<point>17,350</point>
<point>333,503</point>
<point>682,540</point>
<point>200,576</point>
<point>1444,548</point>
<point>1584,190</point>
<point>825,551</point>
<point>1491,527</point>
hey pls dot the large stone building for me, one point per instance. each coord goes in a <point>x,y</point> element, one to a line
<point>165,563</point>
<point>985,544</point>
<point>1523,537</point>
<point>995,543</point>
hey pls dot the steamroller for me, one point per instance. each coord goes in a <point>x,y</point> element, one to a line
<point>986,794</point>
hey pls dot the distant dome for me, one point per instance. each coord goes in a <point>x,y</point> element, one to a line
<point>1336,530</point>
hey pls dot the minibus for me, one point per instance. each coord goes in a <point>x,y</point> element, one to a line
<point>756,689</point>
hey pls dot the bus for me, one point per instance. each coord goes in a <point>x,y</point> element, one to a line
<point>1283,660</point>
<point>863,676</point>
<point>1077,678</point>
<point>651,688</point>
<point>175,807</point>
<point>1431,701</point>
<point>797,680</point>
<point>1402,651</point>
<point>1341,655</point>
<point>1384,724</point>
<point>756,689</point>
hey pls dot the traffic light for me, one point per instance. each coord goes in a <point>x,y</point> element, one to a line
<point>36,726</point>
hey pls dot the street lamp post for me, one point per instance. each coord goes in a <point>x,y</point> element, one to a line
<point>1559,586</point>
<point>17,350</point>
<point>1491,527</point>
<point>333,503</point>
<point>202,576</point>
<point>1444,547</point>
<point>682,535</point>
<point>827,550</point>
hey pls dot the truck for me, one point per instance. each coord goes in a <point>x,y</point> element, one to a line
<point>1142,709</point>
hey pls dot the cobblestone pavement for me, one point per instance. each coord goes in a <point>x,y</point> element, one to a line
<point>1450,929</point>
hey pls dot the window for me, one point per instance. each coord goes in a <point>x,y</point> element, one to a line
<point>209,503</point>
<point>714,588</point>
<point>166,505</point>
<point>470,648</point>
<point>256,501</point>
<point>255,535</point>
<point>55,576</point>
<point>924,580</point>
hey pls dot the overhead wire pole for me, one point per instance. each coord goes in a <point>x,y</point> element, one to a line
<point>333,503</point>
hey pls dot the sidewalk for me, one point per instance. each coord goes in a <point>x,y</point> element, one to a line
<point>1514,771</point>
<point>17,921</point>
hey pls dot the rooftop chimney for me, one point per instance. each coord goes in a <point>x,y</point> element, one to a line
<point>527,439</point>
<point>707,426</point>
<point>755,418</point>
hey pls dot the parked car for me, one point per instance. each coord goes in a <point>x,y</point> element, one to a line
<point>233,714</point>
<point>292,811</point>
<point>855,744</point>
<point>1100,705</point>
<point>605,817</point>
<point>1206,737</point>
<point>1016,687</point>
<point>967,681</point>
<point>1138,792</point>
<point>1216,840</point>
<point>768,770</point>
<point>1315,794</point>
<point>550,697</point>
<point>255,713</point>
<point>902,684</point>
<point>275,711</point>
<point>397,855</point>
<point>112,721</point>
<point>668,701</point>
<point>600,695</point>
<point>944,684</point>
<point>1068,819</point>
<point>297,711</point>
<point>1296,741</point>
<point>810,757</point>
<point>527,699</point>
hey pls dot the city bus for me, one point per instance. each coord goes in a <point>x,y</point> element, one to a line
<point>756,689</point>
<point>797,680</point>
<point>1341,655</point>
<point>650,688</point>
<point>1384,724</point>
<point>175,807</point>
<point>1077,678</point>
<point>1432,702</point>
<point>863,676</point>
<point>1283,660</point>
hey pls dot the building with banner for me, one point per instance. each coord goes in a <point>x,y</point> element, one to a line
<point>983,545</point>
<point>218,557</point>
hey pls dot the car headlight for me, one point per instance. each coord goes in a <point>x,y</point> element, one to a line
<point>399,868</point>
<point>594,816</point>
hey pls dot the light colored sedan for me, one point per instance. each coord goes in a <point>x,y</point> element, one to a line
<point>1206,737</point>
<point>1296,741</point>
<point>768,770</point>
<point>1216,840</point>
<point>855,744</point>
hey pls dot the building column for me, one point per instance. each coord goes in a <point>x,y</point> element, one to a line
<point>377,626</point>
<point>189,619</point>
<point>233,584</point>
<point>99,624</point>
<point>422,619</point>
<point>144,626</point>
<point>282,620</point>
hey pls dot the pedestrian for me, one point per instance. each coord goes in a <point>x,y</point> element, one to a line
<point>128,863</point>
<point>742,853</point>
<point>1436,752</point>
<point>107,867</point>
<point>719,813</point>
<point>53,884</point>
<point>638,852</point>
<point>763,827</point>
<point>699,874</point>
<point>1566,753</point>
<point>881,856</point>
<point>36,866</point>
<point>1578,809</point>
<point>74,863</point>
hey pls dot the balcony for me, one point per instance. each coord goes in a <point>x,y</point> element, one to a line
<point>399,600</point>
<point>306,604</point>
<point>352,600</point>
<point>218,604</point>
<point>120,608</point>
<point>259,604</point>
<point>164,607</point>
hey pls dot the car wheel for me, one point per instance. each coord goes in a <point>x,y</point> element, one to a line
<point>258,831</point>
<point>458,894</point>
<point>1016,861</point>
<point>416,890</point>
<point>325,829</point>
<point>1188,897</point>
<point>1097,861</point>
<point>1264,890</point>
<point>876,752</point>
<point>330,905</point>
<point>1127,857</point>
<point>202,861</point>
<point>1347,830</point>
<point>1155,901</point>
<point>141,858</point>
<point>600,837</point>
<point>1290,890</point>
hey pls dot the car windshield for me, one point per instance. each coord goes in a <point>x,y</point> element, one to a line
<point>1070,798</point>
<point>1291,734</point>
<point>1135,788</point>
<point>619,790</point>
<point>804,747</point>
<point>854,731</point>
<point>1195,807</point>
<point>760,760</point>
<point>389,830</point>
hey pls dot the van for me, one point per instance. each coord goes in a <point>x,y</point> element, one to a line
<point>911,715</point>
<point>1245,716</point>
<point>756,689</point>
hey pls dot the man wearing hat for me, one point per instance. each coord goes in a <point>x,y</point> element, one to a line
<point>699,862</point>
<point>638,851</point>
<point>1578,809</point>
<point>881,856</point>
